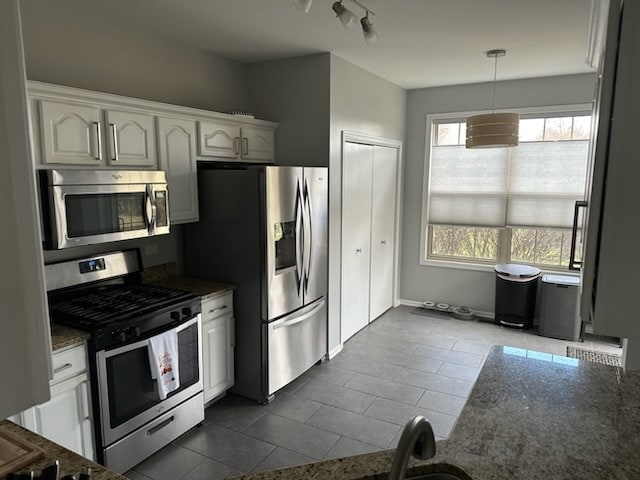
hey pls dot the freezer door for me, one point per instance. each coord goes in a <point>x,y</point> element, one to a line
<point>284,237</point>
<point>294,344</point>
<point>315,196</point>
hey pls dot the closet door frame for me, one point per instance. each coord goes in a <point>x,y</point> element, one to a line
<point>354,137</point>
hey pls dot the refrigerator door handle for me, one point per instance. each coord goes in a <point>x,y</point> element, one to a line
<point>573,263</point>
<point>299,237</point>
<point>308,234</point>
<point>305,316</point>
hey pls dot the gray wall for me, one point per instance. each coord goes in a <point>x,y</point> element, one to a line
<point>295,93</point>
<point>455,286</point>
<point>68,44</point>
<point>362,103</point>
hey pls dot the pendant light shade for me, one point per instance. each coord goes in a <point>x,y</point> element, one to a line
<point>493,130</point>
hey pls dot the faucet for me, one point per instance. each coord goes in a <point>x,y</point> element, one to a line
<point>417,438</point>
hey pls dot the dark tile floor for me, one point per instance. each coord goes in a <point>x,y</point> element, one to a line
<point>399,366</point>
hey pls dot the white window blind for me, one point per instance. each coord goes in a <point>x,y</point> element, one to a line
<point>533,185</point>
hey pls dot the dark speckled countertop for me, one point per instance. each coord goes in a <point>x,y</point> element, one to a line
<point>165,276</point>
<point>530,416</point>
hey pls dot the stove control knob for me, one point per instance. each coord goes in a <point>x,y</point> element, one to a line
<point>186,311</point>
<point>119,335</point>
<point>175,315</point>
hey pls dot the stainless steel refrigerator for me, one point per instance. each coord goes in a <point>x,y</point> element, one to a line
<point>264,228</point>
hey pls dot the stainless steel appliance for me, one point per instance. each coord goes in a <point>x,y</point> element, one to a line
<point>83,207</point>
<point>264,228</point>
<point>104,295</point>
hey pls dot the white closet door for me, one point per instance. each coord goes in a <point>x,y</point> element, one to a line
<point>383,216</point>
<point>357,168</point>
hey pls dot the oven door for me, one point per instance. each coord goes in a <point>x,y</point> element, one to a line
<point>128,395</point>
<point>89,214</point>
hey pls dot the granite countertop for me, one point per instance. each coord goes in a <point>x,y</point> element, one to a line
<point>70,463</point>
<point>63,336</point>
<point>165,276</point>
<point>530,415</point>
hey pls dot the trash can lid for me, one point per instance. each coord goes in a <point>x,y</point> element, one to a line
<point>516,270</point>
<point>571,280</point>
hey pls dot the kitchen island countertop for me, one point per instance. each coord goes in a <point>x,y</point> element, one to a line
<point>530,415</point>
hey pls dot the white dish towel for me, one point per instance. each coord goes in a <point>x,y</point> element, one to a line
<point>163,358</point>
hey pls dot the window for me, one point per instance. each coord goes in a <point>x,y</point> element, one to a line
<point>506,205</point>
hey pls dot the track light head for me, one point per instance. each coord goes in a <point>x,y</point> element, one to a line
<point>346,16</point>
<point>303,5</point>
<point>370,35</point>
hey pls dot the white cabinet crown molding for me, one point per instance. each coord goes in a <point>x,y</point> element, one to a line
<point>39,90</point>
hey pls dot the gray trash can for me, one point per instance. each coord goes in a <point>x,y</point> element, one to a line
<point>559,313</point>
<point>516,288</point>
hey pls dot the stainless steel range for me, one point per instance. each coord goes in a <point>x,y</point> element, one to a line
<point>104,295</point>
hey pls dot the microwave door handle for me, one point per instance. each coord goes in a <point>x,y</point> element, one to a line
<point>151,209</point>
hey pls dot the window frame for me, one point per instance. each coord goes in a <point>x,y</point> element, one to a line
<point>504,236</point>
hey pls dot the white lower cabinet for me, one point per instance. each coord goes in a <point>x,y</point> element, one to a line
<point>218,341</point>
<point>66,417</point>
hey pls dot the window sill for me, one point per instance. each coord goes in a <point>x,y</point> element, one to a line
<point>478,267</point>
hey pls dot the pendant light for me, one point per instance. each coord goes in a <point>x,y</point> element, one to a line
<point>370,35</point>
<point>346,16</point>
<point>493,130</point>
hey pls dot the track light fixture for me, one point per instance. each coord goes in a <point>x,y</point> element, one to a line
<point>370,35</point>
<point>347,17</point>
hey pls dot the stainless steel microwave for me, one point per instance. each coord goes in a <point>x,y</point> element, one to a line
<point>84,207</point>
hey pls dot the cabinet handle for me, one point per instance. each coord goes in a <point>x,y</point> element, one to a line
<point>85,400</point>
<point>115,142</point>
<point>383,242</point>
<point>245,146</point>
<point>236,145</point>
<point>358,250</point>
<point>218,309</point>
<point>64,367</point>
<point>98,141</point>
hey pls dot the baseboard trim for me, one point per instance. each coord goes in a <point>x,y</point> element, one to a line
<point>334,352</point>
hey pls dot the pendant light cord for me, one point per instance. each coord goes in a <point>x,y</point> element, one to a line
<point>495,77</point>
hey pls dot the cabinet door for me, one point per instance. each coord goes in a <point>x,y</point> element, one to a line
<point>177,157</point>
<point>71,134</point>
<point>383,218</point>
<point>356,236</point>
<point>131,139</point>
<point>217,355</point>
<point>258,144</point>
<point>218,140</point>
<point>66,418</point>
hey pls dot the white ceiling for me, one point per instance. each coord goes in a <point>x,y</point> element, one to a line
<point>423,43</point>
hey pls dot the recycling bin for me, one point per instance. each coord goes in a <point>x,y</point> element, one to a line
<point>559,313</point>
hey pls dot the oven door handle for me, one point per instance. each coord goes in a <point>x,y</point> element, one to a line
<point>104,354</point>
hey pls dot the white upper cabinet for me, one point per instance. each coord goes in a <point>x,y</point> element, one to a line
<point>245,143</point>
<point>131,139</point>
<point>177,156</point>
<point>78,134</point>
<point>71,134</point>
<point>218,140</point>
<point>258,144</point>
